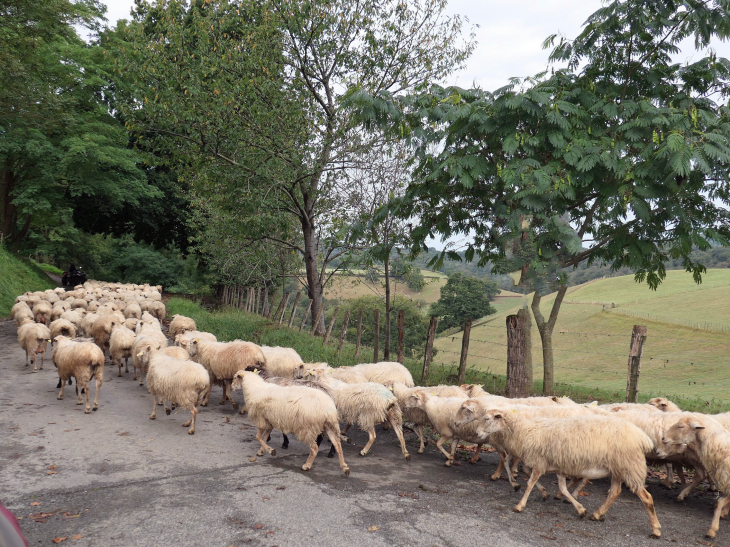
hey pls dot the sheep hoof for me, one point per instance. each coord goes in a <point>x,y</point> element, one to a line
<point>680,498</point>
<point>168,411</point>
<point>582,513</point>
<point>363,453</point>
<point>273,452</point>
<point>305,467</point>
<point>191,432</point>
<point>347,471</point>
<point>285,445</point>
<point>260,452</point>
<point>204,404</point>
<point>518,509</point>
<point>96,407</point>
<point>668,484</point>
<point>517,487</point>
<point>152,416</point>
<point>235,406</point>
<point>447,463</point>
<point>87,411</point>
<point>599,518</point>
<point>708,535</point>
<point>408,457</point>
<point>34,370</point>
<point>242,411</point>
<point>655,535</point>
<point>420,450</point>
<point>80,402</point>
<point>119,375</point>
<point>60,397</point>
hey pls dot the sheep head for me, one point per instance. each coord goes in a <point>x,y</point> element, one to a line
<point>466,414</point>
<point>492,422</point>
<point>679,436</point>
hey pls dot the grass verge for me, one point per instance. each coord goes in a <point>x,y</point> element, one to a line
<point>17,277</point>
<point>231,323</point>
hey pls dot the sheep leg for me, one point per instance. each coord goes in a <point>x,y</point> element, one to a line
<point>97,382</point>
<point>332,434</point>
<point>343,434</point>
<point>62,383</point>
<point>154,406</point>
<point>85,387</point>
<point>313,450</point>
<point>371,440</point>
<point>419,432</point>
<point>440,446</point>
<point>397,426</point>
<point>119,363</point>
<point>669,481</point>
<point>285,444</point>
<point>498,472</point>
<point>700,475</point>
<point>720,507</point>
<point>564,490</point>
<point>530,485</point>
<point>126,365</point>
<point>613,493</point>
<point>261,434</point>
<point>206,395</point>
<point>43,355</point>
<point>193,416</point>
<point>475,457</point>
<point>229,394</point>
<point>648,501</point>
<point>575,492</point>
<point>526,470</point>
<point>134,368</point>
<point>510,473</point>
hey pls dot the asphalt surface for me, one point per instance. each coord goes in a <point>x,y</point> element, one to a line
<point>114,478</point>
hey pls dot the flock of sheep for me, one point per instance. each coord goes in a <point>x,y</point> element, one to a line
<point>545,434</point>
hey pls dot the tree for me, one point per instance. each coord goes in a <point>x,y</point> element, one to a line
<point>257,87</point>
<point>621,158</point>
<point>58,139</point>
<point>463,296</point>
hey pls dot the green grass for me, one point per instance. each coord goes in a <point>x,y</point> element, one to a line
<point>231,323</point>
<point>17,277</point>
<point>47,267</point>
<point>591,343</point>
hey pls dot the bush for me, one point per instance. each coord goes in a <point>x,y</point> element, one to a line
<point>463,296</point>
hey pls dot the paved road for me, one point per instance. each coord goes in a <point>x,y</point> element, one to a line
<point>119,479</point>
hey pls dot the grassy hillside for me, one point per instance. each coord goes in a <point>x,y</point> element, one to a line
<point>346,287</point>
<point>591,343</point>
<point>17,277</point>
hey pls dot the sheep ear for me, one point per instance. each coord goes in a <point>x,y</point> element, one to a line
<point>554,398</point>
<point>697,425</point>
<point>417,395</point>
<point>497,416</point>
<point>470,408</point>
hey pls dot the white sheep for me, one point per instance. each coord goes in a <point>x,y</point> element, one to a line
<point>366,405</point>
<point>132,311</point>
<point>80,360</point>
<point>42,312</point>
<point>386,373</point>
<point>180,325</point>
<point>34,338</point>
<point>304,411</point>
<point>222,360</point>
<point>121,342</point>
<point>101,330</point>
<point>712,444</point>
<point>79,303</point>
<point>178,381</point>
<point>74,316</point>
<point>18,306</point>
<point>589,447</point>
<point>417,415</point>
<point>131,323</point>
<point>183,340</point>
<point>22,314</point>
<point>157,309</point>
<point>155,340</point>
<point>61,327</point>
<point>281,362</point>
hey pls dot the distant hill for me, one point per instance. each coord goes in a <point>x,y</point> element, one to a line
<point>591,338</point>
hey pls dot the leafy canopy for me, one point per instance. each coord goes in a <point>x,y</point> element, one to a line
<point>464,296</point>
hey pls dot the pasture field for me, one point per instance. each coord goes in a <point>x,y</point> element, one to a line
<point>591,342</point>
<point>347,287</point>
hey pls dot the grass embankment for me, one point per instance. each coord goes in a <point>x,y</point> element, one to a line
<point>17,277</point>
<point>230,323</point>
<point>591,343</point>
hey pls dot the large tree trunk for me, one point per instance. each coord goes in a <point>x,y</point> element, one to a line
<point>8,211</point>
<point>314,281</point>
<point>546,336</point>
<point>386,346</point>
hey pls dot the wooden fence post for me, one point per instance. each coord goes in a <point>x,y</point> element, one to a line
<point>294,308</point>
<point>306,315</point>
<point>253,299</point>
<point>376,331</point>
<point>249,300</point>
<point>224,296</point>
<point>332,324</point>
<point>516,353</point>
<point>266,301</point>
<point>525,314</point>
<point>638,337</point>
<point>464,349</point>
<point>258,300</point>
<point>429,347</point>
<point>401,335</point>
<point>344,331</point>
<point>283,310</point>
<point>359,334</point>
<point>316,321</point>
<point>274,315</point>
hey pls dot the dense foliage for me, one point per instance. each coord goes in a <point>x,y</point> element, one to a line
<point>463,296</point>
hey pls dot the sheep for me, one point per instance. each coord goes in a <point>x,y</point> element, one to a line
<point>281,362</point>
<point>56,312</point>
<point>93,306</point>
<point>131,323</point>
<point>616,407</point>
<point>132,311</point>
<point>711,441</point>
<point>22,315</point>
<point>222,360</point>
<point>144,305</point>
<point>183,340</point>
<point>476,391</point>
<point>366,405</point>
<point>664,404</point>
<point>301,410</point>
<point>34,338</point>
<point>157,309</point>
<point>74,316</point>
<point>81,360</point>
<point>101,331</point>
<point>42,312</point>
<point>418,416</point>
<point>79,303</point>
<point>180,325</point>
<point>156,340</point>
<point>182,382</point>
<point>654,424</point>
<point>87,323</point>
<point>63,328</point>
<point>386,373</point>
<point>589,447</point>
<point>17,307</point>
<point>120,347</point>
<point>176,352</point>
